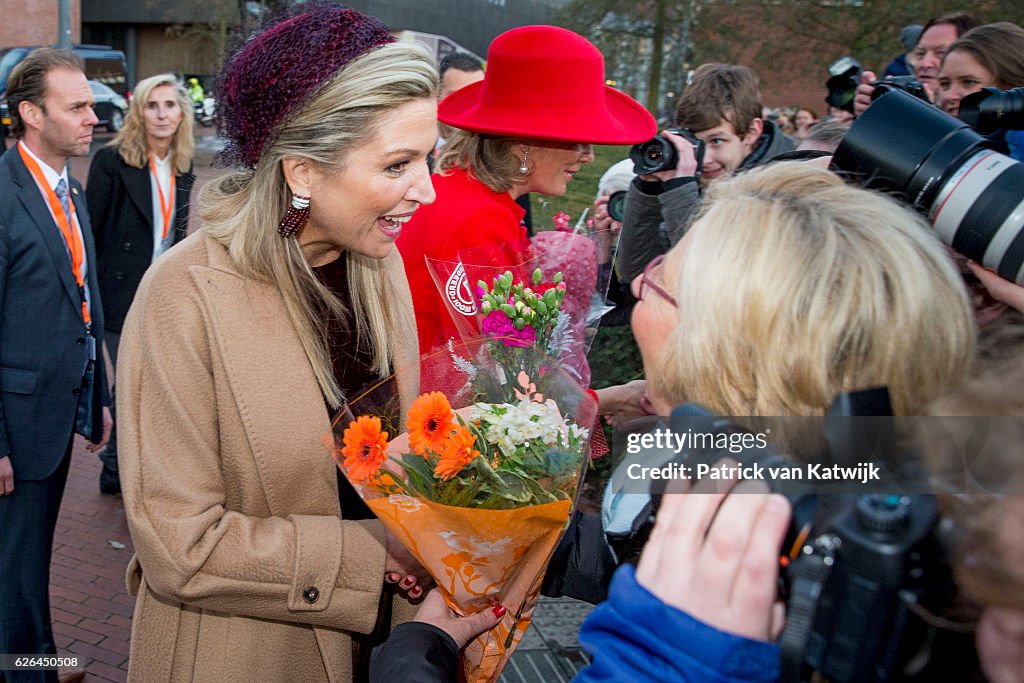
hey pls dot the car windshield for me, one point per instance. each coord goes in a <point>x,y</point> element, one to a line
<point>100,89</point>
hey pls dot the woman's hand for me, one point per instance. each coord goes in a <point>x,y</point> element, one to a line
<point>435,612</point>
<point>625,400</point>
<point>404,570</point>
<point>715,556</point>
<point>1009,293</point>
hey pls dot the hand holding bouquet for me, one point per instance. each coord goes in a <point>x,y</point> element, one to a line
<point>480,494</point>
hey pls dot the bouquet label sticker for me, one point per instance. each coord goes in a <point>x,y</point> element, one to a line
<point>457,291</point>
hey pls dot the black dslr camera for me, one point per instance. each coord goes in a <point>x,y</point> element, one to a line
<point>845,76</point>
<point>659,154</point>
<point>991,109</point>
<point>856,567</point>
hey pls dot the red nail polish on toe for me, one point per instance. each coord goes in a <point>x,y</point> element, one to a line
<point>499,611</point>
<point>392,577</point>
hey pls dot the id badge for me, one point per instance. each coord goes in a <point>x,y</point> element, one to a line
<point>90,351</point>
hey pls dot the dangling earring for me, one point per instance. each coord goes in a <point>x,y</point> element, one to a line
<point>523,168</point>
<point>295,217</point>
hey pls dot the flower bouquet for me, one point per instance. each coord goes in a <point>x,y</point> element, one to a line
<point>481,484</point>
<point>550,252</point>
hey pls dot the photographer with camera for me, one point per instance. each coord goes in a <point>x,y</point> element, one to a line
<point>989,56</point>
<point>720,112</point>
<point>701,604</point>
<point>938,34</point>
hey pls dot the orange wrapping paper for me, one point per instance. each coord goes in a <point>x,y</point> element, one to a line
<point>484,557</point>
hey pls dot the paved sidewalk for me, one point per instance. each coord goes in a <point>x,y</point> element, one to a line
<point>89,603</point>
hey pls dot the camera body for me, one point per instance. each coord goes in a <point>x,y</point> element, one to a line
<point>659,154</point>
<point>844,77</point>
<point>907,84</point>
<point>850,588</point>
<point>991,109</point>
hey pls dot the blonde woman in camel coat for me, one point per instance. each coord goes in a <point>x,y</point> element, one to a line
<point>245,569</point>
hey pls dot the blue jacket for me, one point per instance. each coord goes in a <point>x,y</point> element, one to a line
<point>634,636</point>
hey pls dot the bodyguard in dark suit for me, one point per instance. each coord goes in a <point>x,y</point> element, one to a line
<point>138,194</point>
<point>52,381</point>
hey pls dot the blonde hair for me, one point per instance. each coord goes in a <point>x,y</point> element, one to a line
<point>131,140</point>
<point>242,210</point>
<point>794,287</point>
<point>490,159</point>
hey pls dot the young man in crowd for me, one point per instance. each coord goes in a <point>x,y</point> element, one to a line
<point>722,107</point>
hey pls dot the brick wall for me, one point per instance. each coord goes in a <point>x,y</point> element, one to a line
<point>32,22</point>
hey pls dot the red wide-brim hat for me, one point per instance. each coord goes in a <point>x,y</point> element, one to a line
<point>547,83</point>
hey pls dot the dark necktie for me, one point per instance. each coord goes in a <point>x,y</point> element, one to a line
<point>62,195</point>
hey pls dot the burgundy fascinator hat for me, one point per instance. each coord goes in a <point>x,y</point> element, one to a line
<point>547,83</point>
<point>281,67</point>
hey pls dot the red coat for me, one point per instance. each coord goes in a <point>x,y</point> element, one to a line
<point>466,215</point>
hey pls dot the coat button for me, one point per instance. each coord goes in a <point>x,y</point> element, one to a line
<point>81,341</point>
<point>127,246</point>
<point>311,595</point>
<point>76,391</point>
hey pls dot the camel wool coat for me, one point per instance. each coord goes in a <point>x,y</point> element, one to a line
<point>244,569</point>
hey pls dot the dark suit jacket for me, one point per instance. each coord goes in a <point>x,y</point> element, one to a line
<point>42,334</point>
<point>121,207</point>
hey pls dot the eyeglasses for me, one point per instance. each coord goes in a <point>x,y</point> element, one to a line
<point>646,281</point>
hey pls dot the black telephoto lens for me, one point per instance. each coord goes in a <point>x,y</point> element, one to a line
<point>973,195</point>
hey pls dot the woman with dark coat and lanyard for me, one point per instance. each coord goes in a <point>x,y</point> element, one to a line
<point>138,195</point>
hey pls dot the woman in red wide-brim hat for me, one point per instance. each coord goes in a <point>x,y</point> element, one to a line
<point>528,126</point>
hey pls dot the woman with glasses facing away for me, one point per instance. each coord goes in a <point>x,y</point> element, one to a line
<point>791,288</point>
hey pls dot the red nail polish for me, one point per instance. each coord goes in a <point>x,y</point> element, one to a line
<point>499,611</point>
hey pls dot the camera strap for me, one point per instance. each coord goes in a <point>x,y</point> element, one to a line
<point>809,574</point>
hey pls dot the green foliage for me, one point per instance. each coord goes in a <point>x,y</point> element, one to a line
<point>509,473</point>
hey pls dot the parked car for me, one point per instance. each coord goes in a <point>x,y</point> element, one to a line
<point>110,107</point>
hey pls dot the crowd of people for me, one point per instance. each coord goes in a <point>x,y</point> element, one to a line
<point>760,283</point>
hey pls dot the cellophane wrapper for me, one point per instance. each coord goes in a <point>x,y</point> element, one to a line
<point>478,557</point>
<point>553,252</point>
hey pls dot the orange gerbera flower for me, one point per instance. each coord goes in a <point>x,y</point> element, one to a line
<point>459,451</point>
<point>365,448</point>
<point>430,422</point>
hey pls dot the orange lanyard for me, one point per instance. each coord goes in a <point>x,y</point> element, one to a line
<point>71,237</point>
<point>165,207</point>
